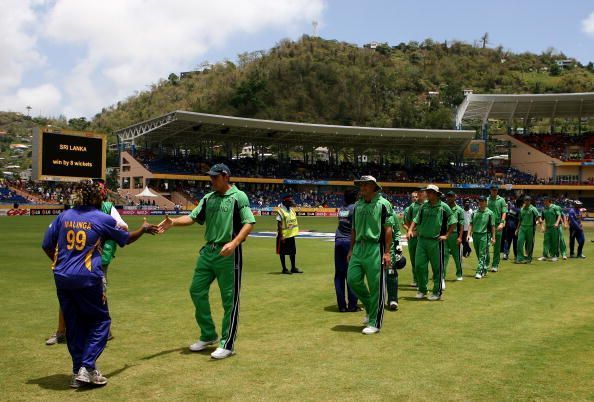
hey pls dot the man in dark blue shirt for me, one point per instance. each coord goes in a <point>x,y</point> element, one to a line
<point>73,242</point>
<point>341,250</point>
<point>511,224</point>
<point>576,231</point>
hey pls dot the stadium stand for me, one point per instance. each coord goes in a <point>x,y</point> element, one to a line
<point>562,146</point>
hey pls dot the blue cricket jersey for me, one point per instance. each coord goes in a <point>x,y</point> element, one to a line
<point>77,236</point>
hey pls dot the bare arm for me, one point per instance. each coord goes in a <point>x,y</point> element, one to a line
<point>387,246</point>
<point>228,248</point>
<point>351,245</point>
<point>168,223</point>
<point>144,228</point>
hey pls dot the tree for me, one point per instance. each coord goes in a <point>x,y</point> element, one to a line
<point>485,39</point>
<point>80,123</point>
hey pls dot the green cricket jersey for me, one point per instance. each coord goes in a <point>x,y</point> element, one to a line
<point>395,227</point>
<point>459,216</point>
<point>528,216</point>
<point>411,211</point>
<point>482,221</point>
<point>370,217</point>
<point>550,215</point>
<point>498,206</point>
<point>224,215</point>
<point>433,221</point>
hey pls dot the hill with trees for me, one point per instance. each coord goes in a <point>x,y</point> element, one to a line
<point>415,84</point>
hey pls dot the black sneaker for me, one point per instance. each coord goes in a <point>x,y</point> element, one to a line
<point>296,271</point>
<point>342,309</point>
<point>355,309</point>
<point>286,272</point>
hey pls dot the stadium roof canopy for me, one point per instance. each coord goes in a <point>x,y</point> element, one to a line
<point>480,108</point>
<point>187,128</point>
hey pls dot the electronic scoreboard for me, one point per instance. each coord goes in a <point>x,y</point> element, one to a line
<point>64,155</point>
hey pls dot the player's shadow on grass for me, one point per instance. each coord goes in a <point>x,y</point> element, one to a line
<point>347,328</point>
<point>56,382</point>
<point>182,350</point>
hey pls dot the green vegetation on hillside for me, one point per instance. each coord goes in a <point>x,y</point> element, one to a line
<point>325,81</point>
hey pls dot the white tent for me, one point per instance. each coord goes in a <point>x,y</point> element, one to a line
<point>146,193</point>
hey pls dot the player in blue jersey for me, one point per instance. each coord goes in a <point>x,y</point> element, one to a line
<point>73,242</point>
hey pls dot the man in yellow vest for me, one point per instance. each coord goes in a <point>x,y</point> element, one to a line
<point>288,229</point>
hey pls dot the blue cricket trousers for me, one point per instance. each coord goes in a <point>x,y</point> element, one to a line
<point>341,265</point>
<point>87,324</point>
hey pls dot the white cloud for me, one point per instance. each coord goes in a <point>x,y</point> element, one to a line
<point>74,57</point>
<point>17,42</point>
<point>588,25</point>
<point>129,44</point>
<point>44,99</point>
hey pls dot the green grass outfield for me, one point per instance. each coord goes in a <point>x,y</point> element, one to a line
<point>526,332</point>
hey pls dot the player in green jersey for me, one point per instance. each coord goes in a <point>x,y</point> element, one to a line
<point>551,221</point>
<point>482,232</point>
<point>454,242</point>
<point>369,254</point>
<point>529,218</point>
<point>498,206</point>
<point>417,199</point>
<point>433,224</point>
<point>229,220</point>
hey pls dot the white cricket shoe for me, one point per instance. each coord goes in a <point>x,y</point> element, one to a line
<point>554,259</point>
<point>494,269</point>
<point>221,353</point>
<point>201,345</point>
<point>542,258</point>
<point>434,297</point>
<point>478,276</point>
<point>393,306</point>
<point>420,295</point>
<point>368,330</point>
<point>90,377</point>
<point>460,278</point>
<point>564,257</point>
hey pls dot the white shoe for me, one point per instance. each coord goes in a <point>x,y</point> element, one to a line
<point>564,257</point>
<point>478,276</point>
<point>459,278</point>
<point>201,345</point>
<point>443,284</point>
<point>433,297</point>
<point>554,259</point>
<point>420,295</point>
<point>221,353</point>
<point>366,320</point>
<point>494,269</point>
<point>542,258</point>
<point>370,330</point>
<point>90,377</point>
<point>393,306</point>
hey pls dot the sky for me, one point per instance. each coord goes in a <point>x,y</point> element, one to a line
<point>75,57</point>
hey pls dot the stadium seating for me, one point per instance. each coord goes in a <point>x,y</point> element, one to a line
<point>561,146</point>
<point>298,170</point>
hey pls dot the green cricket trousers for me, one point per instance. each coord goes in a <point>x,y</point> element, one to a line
<point>551,243</point>
<point>430,251</point>
<point>366,263</point>
<point>227,272</point>
<point>525,243</point>
<point>481,247</point>
<point>455,250</point>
